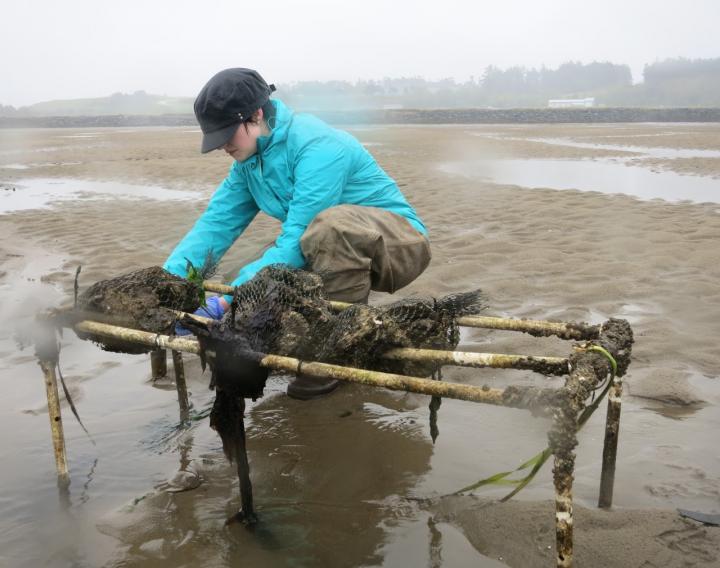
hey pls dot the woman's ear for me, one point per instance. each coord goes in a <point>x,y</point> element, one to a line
<point>258,115</point>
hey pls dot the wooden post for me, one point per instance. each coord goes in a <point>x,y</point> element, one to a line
<point>562,436</point>
<point>181,385</point>
<point>158,364</point>
<point>563,479</point>
<point>612,433</point>
<point>563,439</point>
<point>56,427</point>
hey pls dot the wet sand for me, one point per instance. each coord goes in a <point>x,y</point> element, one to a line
<point>353,480</point>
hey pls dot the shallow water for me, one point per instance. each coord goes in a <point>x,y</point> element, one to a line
<point>81,135</point>
<point>36,165</point>
<point>647,151</point>
<point>606,176</point>
<point>43,193</point>
<point>48,149</point>
<point>650,151</point>
<point>15,166</point>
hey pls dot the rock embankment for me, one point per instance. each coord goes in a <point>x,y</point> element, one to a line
<point>402,116</point>
<point>522,115</point>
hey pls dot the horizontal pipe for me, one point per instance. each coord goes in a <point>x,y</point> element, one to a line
<point>538,363</point>
<point>388,380</point>
<point>545,365</point>
<point>564,330</point>
<point>391,381</point>
<point>140,337</point>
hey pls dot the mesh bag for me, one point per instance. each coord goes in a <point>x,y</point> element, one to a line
<point>144,299</point>
<point>284,311</point>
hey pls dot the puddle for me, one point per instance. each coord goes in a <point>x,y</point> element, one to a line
<point>646,151</point>
<point>422,541</point>
<point>17,151</point>
<point>83,135</point>
<point>25,150</point>
<point>650,135</point>
<point>43,193</point>
<point>36,165</point>
<point>15,166</point>
<point>590,175</point>
<point>705,391</point>
<point>651,152</point>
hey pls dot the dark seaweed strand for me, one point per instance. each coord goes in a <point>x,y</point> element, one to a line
<point>72,404</point>
<point>76,286</point>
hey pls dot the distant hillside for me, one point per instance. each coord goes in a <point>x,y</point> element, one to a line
<point>138,102</point>
<point>672,83</point>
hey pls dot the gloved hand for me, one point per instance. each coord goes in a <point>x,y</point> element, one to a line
<point>214,308</point>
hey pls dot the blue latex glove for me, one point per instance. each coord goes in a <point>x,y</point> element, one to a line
<point>212,309</point>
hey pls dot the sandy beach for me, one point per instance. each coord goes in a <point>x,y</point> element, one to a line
<point>561,222</point>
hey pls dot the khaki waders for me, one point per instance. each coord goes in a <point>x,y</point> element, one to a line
<point>356,249</point>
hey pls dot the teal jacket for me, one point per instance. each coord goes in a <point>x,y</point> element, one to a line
<point>303,167</point>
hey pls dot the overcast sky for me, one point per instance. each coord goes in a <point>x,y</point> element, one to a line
<point>55,49</point>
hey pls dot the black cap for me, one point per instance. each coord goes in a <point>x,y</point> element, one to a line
<point>226,101</point>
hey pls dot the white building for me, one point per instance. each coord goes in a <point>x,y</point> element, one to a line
<point>568,103</point>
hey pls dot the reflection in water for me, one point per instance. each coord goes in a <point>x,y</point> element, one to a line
<point>84,496</point>
<point>434,406</point>
<point>63,485</point>
<point>64,540</point>
<point>322,472</point>
<point>435,541</point>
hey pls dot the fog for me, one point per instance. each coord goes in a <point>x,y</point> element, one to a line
<point>81,48</point>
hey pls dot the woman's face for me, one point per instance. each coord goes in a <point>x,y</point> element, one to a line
<point>243,144</point>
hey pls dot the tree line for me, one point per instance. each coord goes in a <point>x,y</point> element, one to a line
<point>675,82</point>
<point>672,82</point>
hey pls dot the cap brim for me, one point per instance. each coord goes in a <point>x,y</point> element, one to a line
<point>217,139</point>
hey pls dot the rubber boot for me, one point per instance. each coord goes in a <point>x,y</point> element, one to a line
<point>303,387</point>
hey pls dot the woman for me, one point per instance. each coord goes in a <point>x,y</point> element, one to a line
<point>342,215</point>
